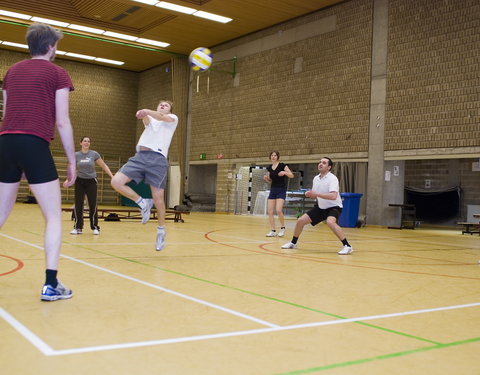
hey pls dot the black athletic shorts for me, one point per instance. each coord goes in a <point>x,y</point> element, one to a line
<point>29,154</point>
<point>318,214</point>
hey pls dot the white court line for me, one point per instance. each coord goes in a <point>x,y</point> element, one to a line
<point>178,294</point>
<point>29,335</point>
<point>168,243</point>
<point>48,351</point>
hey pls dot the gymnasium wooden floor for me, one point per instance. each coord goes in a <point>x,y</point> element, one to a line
<point>224,299</point>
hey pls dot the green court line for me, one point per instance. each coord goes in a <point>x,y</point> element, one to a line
<point>378,357</point>
<point>255,294</point>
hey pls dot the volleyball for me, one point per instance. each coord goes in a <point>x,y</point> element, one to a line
<point>200,59</point>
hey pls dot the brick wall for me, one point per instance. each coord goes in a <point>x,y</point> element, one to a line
<point>311,98</point>
<point>322,109</point>
<point>432,79</point>
<point>102,105</point>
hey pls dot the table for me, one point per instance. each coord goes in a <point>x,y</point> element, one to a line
<point>408,216</point>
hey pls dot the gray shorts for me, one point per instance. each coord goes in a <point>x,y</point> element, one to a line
<point>148,166</point>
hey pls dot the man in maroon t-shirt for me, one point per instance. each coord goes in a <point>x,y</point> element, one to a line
<point>35,98</point>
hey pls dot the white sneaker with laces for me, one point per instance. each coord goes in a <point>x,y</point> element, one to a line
<point>346,250</point>
<point>272,233</point>
<point>146,210</point>
<point>49,293</point>
<point>160,243</point>
<point>96,232</point>
<point>281,233</point>
<point>76,231</point>
<point>289,245</point>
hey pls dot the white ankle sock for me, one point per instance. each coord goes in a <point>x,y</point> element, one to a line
<point>140,202</point>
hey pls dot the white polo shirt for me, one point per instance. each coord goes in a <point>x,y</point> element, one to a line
<point>158,135</point>
<point>327,184</point>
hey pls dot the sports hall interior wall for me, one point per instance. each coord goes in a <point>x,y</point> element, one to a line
<point>433,75</point>
<point>431,103</point>
<point>311,98</point>
<point>322,109</point>
<point>102,106</point>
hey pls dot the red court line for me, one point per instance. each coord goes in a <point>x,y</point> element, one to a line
<point>317,260</point>
<point>18,268</point>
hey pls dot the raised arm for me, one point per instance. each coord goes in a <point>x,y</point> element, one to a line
<point>143,113</point>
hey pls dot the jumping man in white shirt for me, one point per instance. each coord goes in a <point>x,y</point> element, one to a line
<point>150,164</point>
<point>329,206</point>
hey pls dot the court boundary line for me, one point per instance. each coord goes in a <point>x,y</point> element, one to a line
<point>166,290</point>
<point>47,350</point>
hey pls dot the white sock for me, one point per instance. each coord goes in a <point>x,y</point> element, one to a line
<point>159,228</point>
<point>140,202</point>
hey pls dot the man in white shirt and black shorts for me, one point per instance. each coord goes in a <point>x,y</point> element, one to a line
<point>328,208</point>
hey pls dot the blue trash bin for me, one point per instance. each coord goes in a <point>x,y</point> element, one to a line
<point>351,206</point>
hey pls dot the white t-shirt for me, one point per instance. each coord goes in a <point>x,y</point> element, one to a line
<point>324,185</point>
<point>158,135</point>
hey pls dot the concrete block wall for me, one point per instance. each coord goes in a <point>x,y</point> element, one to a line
<point>102,105</point>
<point>433,80</point>
<point>310,97</point>
<point>154,85</point>
<point>225,187</point>
<point>323,108</point>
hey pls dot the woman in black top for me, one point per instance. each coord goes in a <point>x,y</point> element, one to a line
<point>277,175</point>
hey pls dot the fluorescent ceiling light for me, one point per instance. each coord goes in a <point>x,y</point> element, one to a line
<point>152,42</point>
<point>212,17</point>
<point>149,2</point>
<point>50,22</point>
<point>19,45</point>
<point>176,8</point>
<point>57,52</point>
<point>15,15</point>
<point>108,61</point>
<point>80,56</point>
<point>86,29</point>
<point>120,36</point>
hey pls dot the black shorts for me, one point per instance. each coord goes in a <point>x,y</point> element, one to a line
<point>277,193</point>
<point>29,154</point>
<point>318,214</point>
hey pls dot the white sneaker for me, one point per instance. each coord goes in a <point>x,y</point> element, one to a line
<point>160,243</point>
<point>289,245</point>
<point>281,233</point>
<point>146,210</point>
<point>76,231</point>
<point>346,250</point>
<point>272,233</point>
<point>96,232</point>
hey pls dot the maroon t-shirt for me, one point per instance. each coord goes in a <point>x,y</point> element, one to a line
<point>31,86</point>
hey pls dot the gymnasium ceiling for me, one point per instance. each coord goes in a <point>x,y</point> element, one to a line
<point>184,32</point>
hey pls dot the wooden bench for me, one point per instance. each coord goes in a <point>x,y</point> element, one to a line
<point>469,228</point>
<point>133,213</point>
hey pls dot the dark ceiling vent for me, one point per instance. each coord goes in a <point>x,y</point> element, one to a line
<point>132,10</point>
<point>129,11</point>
